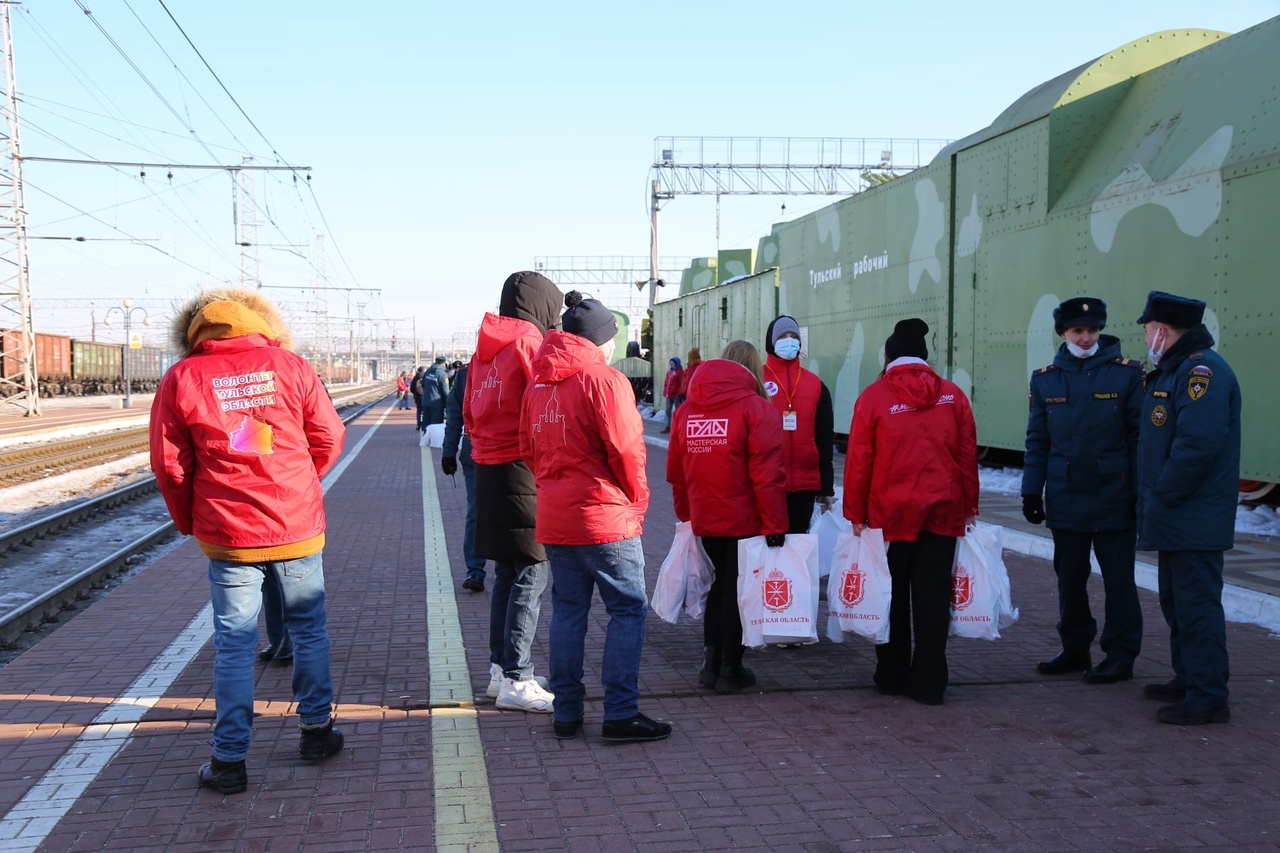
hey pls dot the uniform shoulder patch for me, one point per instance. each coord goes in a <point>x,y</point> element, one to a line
<point>1045,369</point>
<point>1127,362</point>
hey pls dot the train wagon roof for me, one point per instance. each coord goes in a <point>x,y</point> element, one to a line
<point>1123,63</point>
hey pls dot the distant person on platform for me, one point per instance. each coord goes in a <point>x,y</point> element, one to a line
<point>671,389</point>
<point>457,449</point>
<point>506,495</point>
<point>803,403</point>
<point>1078,478</point>
<point>435,390</point>
<point>584,441</point>
<point>415,388</point>
<point>241,432</point>
<point>402,391</point>
<point>1188,488</point>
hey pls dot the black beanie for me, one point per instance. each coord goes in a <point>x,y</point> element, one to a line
<point>907,339</point>
<point>530,296</point>
<point>588,318</point>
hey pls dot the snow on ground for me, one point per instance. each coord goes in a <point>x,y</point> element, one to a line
<point>21,504</point>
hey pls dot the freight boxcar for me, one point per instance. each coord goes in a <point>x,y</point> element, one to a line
<point>52,354</point>
<point>96,368</point>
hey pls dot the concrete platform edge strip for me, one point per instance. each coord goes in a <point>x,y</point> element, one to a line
<point>460,777</point>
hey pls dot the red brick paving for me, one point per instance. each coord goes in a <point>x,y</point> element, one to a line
<point>815,760</point>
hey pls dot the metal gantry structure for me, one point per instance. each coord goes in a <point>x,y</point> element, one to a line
<point>18,380</point>
<point>616,280</point>
<point>728,165</point>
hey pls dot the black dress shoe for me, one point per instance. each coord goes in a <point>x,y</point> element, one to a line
<point>284,657</point>
<point>569,730</point>
<point>1065,662</point>
<point>475,583</point>
<point>1187,713</point>
<point>1170,692</point>
<point>1109,672</point>
<point>268,652</point>
<point>225,777</point>
<point>638,728</point>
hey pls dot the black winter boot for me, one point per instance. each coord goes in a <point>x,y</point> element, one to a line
<point>733,678</point>
<point>710,666</point>
<point>225,777</point>
<point>320,741</point>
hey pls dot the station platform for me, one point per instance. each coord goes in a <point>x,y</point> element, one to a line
<point>104,723</point>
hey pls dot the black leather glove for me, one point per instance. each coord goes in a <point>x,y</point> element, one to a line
<point>448,465</point>
<point>775,540</point>
<point>1033,508</point>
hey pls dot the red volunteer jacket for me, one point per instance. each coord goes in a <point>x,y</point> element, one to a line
<point>241,432</point>
<point>583,439</point>
<point>686,378</point>
<point>724,462</point>
<point>499,372</point>
<point>672,384</point>
<point>402,384</point>
<point>793,389</point>
<point>913,456</point>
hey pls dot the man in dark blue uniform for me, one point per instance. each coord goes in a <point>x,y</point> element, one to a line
<point>1082,442</point>
<point>1188,481</point>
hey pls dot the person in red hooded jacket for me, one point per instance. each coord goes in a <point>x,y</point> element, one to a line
<point>808,424</point>
<point>582,437</point>
<point>912,471</point>
<point>506,496</point>
<point>725,467</point>
<point>241,432</point>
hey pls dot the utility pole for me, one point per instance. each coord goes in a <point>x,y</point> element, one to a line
<point>19,386</point>
<point>247,232</point>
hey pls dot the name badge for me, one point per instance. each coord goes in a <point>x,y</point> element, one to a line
<point>789,421</point>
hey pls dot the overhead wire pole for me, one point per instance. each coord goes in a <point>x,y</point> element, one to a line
<point>19,381</point>
<point>630,272</point>
<point>725,165</point>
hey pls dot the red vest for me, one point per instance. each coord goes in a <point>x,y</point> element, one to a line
<point>792,388</point>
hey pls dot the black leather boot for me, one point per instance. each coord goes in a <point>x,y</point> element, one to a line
<point>319,742</point>
<point>225,777</point>
<point>710,666</point>
<point>733,678</point>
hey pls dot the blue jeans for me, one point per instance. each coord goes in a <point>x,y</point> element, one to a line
<point>475,565</point>
<point>236,590</point>
<point>617,569</point>
<point>513,615</point>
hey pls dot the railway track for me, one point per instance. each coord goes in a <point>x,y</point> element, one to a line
<point>37,461</point>
<point>38,605</point>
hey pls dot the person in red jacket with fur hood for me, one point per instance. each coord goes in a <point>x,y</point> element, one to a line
<point>912,471</point>
<point>725,468</point>
<point>582,437</point>
<point>242,430</point>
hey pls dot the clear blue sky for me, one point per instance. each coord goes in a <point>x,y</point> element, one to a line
<point>453,143</point>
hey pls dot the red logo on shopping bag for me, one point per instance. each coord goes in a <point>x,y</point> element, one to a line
<point>777,591</point>
<point>853,588</point>
<point>961,588</point>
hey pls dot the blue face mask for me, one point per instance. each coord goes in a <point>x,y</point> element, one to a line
<point>787,349</point>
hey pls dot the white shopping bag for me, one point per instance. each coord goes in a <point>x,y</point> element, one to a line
<point>433,437</point>
<point>859,590</point>
<point>981,598</point>
<point>684,579</point>
<point>827,526</point>
<point>778,590</point>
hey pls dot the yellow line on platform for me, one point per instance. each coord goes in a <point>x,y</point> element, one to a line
<point>463,805</point>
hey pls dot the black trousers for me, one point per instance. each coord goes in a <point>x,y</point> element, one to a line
<point>722,625</point>
<point>1122,626</point>
<point>1191,599</point>
<point>920,572</point>
<point>799,511</point>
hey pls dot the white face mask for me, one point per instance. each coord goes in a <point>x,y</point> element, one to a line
<point>1081,353</point>
<point>1153,355</point>
<point>787,349</point>
<point>607,349</point>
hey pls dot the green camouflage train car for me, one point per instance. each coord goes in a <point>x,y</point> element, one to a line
<point>1156,166</point>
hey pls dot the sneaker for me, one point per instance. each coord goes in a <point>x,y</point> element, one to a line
<point>495,681</point>
<point>524,696</point>
<point>638,728</point>
<point>319,742</point>
<point>225,777</point>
